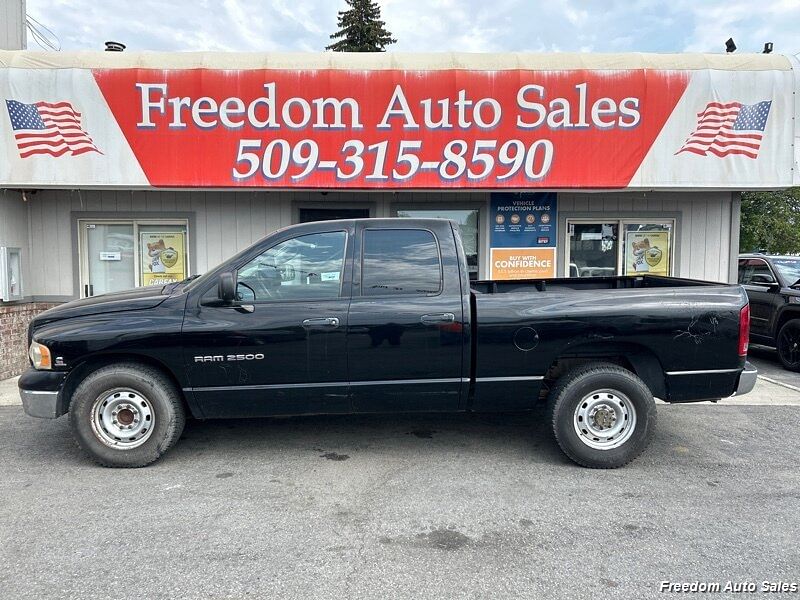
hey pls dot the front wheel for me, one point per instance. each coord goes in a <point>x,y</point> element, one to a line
<point>126,415</point>
<point>788,345</point>
<point>603,416</point>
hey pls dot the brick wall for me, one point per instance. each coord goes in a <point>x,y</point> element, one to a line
<point>14,320</point>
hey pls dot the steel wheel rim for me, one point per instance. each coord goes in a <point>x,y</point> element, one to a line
<point>789,345</point>
<point>122,418</point>
<point>604,419</point>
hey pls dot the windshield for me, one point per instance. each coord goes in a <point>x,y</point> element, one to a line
<point>789,268</point>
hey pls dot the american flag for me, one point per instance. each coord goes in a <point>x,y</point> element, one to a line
<point>48,128</point>
<point>725,128</point>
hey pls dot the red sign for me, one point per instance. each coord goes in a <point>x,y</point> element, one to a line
<point>390,129</point>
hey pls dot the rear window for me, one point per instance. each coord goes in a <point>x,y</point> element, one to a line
<point>399,262</point>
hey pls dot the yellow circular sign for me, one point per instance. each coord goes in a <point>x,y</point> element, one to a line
<point>653,256</point>
<point>169,257</point>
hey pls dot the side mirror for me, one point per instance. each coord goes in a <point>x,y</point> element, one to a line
<point>763,279</point>
<point>226,289</point>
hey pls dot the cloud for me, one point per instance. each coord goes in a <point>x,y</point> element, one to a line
<point>427,25</point>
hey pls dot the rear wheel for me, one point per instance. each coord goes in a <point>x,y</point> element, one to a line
<point>788,345</point>
<point>126,415</point>
<point>603,416</point>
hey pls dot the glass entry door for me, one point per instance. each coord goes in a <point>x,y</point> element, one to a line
<point>109,258</point>
<point>117,255</point>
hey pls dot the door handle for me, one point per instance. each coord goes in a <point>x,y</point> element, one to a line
<point>436,318</point>
<point>330,322</point>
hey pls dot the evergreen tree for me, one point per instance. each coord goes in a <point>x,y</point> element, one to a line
<point>361,29</point>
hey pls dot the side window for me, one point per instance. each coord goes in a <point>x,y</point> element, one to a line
<point>307,267</point>
<point>754,267</point>
<point>400,262</point>
<point>742,271</point>
<point>763,272</point>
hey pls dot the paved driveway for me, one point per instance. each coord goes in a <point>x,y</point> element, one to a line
<point>410,506</point>
<point>769,366</point>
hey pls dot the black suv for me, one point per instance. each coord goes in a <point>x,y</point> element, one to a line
<point>773,286</point>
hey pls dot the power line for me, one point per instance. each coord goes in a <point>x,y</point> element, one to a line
<point>42,35</point>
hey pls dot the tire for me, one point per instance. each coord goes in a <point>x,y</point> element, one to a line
<point>598,401</point>
<point>788,345</point>
<point>126,415</point>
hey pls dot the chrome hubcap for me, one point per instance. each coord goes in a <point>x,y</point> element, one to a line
<point>605,419</point>
<point>122,418</point>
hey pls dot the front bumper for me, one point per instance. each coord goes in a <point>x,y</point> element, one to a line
<point>40,404</point>
<point>41,393</point>
<point>747,380</point>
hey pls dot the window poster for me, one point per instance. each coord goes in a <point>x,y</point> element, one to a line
<point>647,251</point>
<point>523,235</point>
<point>163,257</point>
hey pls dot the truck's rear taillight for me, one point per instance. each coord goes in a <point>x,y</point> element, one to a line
<point>744,329</point>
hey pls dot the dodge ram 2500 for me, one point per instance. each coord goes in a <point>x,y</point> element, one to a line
<point>379,315</point>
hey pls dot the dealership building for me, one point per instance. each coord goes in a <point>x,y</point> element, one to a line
<point>121,169</point>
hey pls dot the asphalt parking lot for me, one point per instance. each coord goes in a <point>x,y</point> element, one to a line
<point>409,506</point>
<point>770,368</point>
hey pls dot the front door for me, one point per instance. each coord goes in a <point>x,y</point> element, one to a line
<point>405,333</point>
<point>109,259</point>
<point>285,352</point>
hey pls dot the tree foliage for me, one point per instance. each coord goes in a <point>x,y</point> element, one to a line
<point>361,29</point>
<point>771,222</point>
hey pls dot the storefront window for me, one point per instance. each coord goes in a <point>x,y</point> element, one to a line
<point>162,249</point>
<point>120,255</point>
<point>467,220</point>
<point>593,249</point>
<point>648,249</point>
<point>596,249</point>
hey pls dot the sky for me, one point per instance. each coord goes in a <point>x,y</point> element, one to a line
<point>427,25</point>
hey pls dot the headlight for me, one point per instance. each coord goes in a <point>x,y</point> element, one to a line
<point>40,356</point>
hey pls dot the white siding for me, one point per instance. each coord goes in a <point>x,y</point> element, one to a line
<point>222,223</point>
<point>12,25</point>
<point>14,231</point>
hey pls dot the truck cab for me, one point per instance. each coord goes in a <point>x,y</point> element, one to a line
<point>302,321</point>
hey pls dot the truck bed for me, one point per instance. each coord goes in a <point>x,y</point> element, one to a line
<point>585,283</point>
<point>682,334</point>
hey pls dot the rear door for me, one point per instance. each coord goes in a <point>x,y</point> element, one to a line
<point>405,330</point>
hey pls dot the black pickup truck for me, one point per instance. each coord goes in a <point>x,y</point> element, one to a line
<point>379,316</point>
<point>773,287</point>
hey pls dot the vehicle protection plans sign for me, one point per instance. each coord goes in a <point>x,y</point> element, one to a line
<point>523,235</point>
<point>394,128</point>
